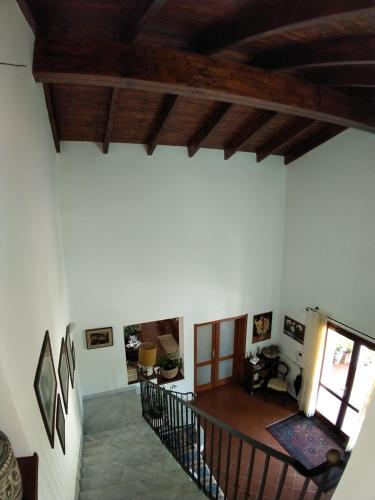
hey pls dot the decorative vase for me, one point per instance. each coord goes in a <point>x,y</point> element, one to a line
<point>10,476</point>
<point>169,373</point>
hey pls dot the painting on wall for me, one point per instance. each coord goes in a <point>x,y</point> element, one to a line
<point>45,385</point>
<point>74,356</point>
<point>60,423</point>
<point>68,345</point>
<point>294,329</point>
<point>63,371</point>
<point>99,337</point>
<point>262,326</point>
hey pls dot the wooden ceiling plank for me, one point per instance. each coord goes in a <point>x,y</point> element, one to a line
<point>246,135</point>
<point>213,121</point>
<point>343,76</point>
<point>279,17</point>
<point>147,9</point>
<point>165,114</point>
<point>351,50</point>
<point>285,138</point>
<point>25,9</point>
<point>116,64</point>
<point>327,133</point>
<point>110,119</point>
<point>52,115</point>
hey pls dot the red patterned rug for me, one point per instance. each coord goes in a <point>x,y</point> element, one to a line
<point>308,440</point>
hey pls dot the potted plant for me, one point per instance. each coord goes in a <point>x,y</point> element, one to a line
<point>169,366</point>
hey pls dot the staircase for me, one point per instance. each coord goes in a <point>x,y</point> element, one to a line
<point>122,458</point>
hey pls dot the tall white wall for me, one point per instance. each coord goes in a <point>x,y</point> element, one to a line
<point>329,243</point>
<point>329,260</point>
<point>148,238</point>
<point>33,295</point>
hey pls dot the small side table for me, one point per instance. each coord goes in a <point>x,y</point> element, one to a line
<point>257,376</point>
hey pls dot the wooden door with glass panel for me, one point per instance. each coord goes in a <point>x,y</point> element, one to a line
<point>219,352</point>
<point>346,378</point>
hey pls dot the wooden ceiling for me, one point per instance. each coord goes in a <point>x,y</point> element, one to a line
<point>262,76</point>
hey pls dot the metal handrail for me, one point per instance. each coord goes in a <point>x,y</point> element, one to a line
<point>183,416</point>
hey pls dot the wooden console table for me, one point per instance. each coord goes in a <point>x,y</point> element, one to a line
<point>29,473</point>
<point>257,376</point>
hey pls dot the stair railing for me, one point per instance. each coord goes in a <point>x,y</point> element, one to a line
<point>220,459</point>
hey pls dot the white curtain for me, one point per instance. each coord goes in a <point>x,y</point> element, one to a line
<point>362,415</point>
<point>315,334</point>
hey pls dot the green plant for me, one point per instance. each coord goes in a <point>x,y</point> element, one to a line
<point>130,330</point>
<point>169,362</point>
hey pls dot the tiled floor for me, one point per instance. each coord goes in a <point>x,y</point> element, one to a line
<point>250,414</point>
<point>123,459</point>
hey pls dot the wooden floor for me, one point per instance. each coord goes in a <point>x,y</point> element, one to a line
<point>251,414</point>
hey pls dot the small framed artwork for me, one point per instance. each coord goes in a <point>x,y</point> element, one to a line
<point>68,345</point>
<point>64,374</point>
<point>74,356</point>
<point>99,337</point>
<point>45,385</point>
<point>262,326</point>
<point>60,423</point>
<point>294,329</point>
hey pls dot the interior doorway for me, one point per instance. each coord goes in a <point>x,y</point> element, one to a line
<point>219,352</point>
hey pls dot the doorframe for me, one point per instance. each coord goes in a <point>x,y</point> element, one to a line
<point>239,352</point>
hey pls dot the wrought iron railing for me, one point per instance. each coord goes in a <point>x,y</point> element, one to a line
<point>225,463</point>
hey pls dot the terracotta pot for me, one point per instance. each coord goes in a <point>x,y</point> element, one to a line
<point>169,373</point>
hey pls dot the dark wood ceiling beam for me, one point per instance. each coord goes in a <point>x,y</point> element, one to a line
<point>146,10</point>
<point>110,119</point>
<point>326,133</point>
<point>213,121</point>
<point>167,108</point>
<point>343,51</point>
<point>52,115</point>
<point>343,76</point>
<point>285,138</point>
<point>261,121</point>
<point>277,17</point>
<point>116,64</point>
<point>25,9</point>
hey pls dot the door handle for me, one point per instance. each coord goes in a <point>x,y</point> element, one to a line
<point>213,354</point>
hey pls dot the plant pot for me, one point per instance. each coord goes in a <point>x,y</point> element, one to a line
<point>169,373</point>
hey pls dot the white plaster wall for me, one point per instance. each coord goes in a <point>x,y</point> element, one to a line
<point>148,238</point>
<point>329,244</point>
<point>329,260</point>
<point>33,295</point>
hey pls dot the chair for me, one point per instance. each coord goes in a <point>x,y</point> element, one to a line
<point>278,380</point>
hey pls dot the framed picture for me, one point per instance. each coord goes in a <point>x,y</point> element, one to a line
<point>64,374</point>
<point>68,345</point>
<point>74,356</point>
<point>262,326</point>
<point>99,337</point>
<point>45,385</point>
<point>60,423</point>
<point>294,329</point>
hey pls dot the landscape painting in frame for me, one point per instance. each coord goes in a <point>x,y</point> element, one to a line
<point>45,385</point>
<point>294,329</point>
<point>99,337</point>
<point>262,326</point>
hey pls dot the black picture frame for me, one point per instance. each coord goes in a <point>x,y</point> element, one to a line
<point>45,385</point>
<point>99,337</point>
<point>70,357</point>
<point>60,423</point>
<point>74,356</point>
<point>294,329</point>
<point>262,327</point>
<point>63,371</point>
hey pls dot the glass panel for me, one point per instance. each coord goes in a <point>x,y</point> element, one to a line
<point>337,356</point>
<point>225,368</point>
<point>328,405</point>
<point>204,375</point>
<point>227,329</point>
<point>204,343</point>
<point>363,379</point>
<point>350,421</point>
